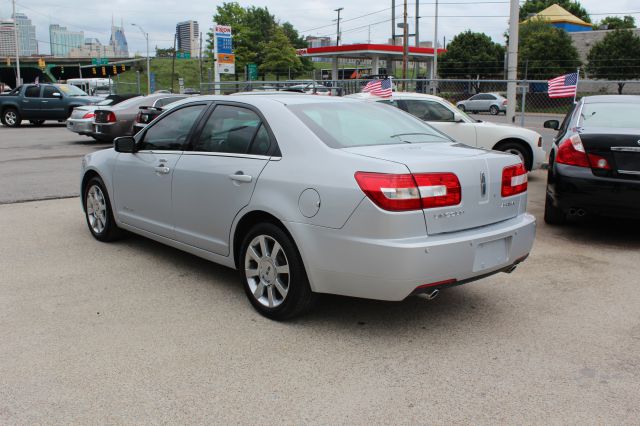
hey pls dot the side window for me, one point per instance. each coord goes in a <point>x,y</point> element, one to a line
<point>166,101</point>
<point>475,98</point>
<point>230,129</point>
<point>49,91</point>
<point>438,112</point>
<point>390,102</point>
<point>171,132</point>
<point>490,97</point>
<point>32,92</point>
<point>261,142</point>
<point>566,121</point>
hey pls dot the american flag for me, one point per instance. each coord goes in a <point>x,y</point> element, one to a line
<point>564,86</point>
<point>381,88</point>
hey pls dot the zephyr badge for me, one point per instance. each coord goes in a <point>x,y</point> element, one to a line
<point>483,184</point>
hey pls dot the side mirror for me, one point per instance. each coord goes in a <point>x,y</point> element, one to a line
<point>56,94</point>
<point>125,144</point>
<point>457,118</point>
<point>552,124</point>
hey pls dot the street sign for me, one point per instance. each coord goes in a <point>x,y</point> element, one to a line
<point>99,61</point>
<point>252,72</point>
<point>183,55</point>
<point>152,81</point>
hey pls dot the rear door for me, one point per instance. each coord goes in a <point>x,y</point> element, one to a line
<point>215,179</point>
<point>142,180</point>
<point>30,103</point>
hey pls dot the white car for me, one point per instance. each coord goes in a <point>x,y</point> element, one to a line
<point>445,117</point>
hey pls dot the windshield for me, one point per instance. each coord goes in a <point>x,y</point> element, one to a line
<point>460,112</point>
<point>70,90</point>
<point>610,115</point>
<point>105,102</point>
<point>349,124</point>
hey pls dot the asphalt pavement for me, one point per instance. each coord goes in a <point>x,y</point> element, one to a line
<point>134,332</point>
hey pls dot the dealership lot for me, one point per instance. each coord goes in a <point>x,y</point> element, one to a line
<point>136,332</point>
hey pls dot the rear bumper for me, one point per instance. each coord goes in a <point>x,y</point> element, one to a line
<point>578,188</point>
<point>81,126</point>
<point>392,269</point>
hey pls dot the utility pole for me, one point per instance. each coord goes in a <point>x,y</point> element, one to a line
<point>338,29</point>
<point>405,46</point>
<point>435,47</point>
<point>512,60</point>
<point>15,34</point>
<point>417,29</point>
<point>173,62</point>
<point>146,36</point>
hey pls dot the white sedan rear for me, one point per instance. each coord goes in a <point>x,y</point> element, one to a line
<point>445,117</point>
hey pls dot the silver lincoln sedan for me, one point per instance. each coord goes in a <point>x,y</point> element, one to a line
<point>306,194</point>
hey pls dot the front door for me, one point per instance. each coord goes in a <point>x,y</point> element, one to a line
<point>52,107</point>
<point>215,179</point>
<point>142,180</point>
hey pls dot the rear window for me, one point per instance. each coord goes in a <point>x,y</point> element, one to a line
<point>350,124</point>
<point>610,115</point>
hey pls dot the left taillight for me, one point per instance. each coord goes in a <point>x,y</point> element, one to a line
<point>89,115</point>
<point>111,117</point>
<point>514,180</point>
<point>406,192</point>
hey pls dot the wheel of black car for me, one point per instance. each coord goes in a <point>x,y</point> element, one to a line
<point>98,212</point>
<point>552,214</point>
<point>272,273</point>
<point>461,108</point>
<point>37,122</point>
<point>518,149</point>
<point>11,117</point>
<point>494,110</point>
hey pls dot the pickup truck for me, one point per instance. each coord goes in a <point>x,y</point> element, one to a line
<point>40,102</point>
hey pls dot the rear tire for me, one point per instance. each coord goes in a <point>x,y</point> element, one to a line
<point>98,212</point>
<point>493,110</point>
<point>272,273</point>
<point>11,117</point>
<point>552,214</point>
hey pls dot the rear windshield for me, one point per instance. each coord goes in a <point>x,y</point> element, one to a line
<point>349,124</point>
<point>611,115</point>
<point>70,90</point>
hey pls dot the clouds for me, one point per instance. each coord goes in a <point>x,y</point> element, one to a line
<point>159,17</point>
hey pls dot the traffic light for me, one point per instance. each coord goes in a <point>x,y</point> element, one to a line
<point>93,71</point>
<point>61,70</point>
<point>104,71</point>
<point>41,64</point>
<point>124,68</point>
<point>115,70</point>
<point>8,61</point>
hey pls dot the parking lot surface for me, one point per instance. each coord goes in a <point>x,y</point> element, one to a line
<point>135,332</point>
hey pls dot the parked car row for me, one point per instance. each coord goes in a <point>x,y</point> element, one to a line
<point>104,122</point>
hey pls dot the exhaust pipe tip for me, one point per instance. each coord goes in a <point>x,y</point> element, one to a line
<point>430,295</point>
<point>510,269</point>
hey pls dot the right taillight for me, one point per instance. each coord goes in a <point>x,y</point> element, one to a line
<point>572,153</point>
<point>405,192</point>
<point>514,180</point>
<point>111,117</point>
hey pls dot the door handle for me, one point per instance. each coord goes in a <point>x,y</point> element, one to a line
<point>162,169</point>
<point>240,177</point>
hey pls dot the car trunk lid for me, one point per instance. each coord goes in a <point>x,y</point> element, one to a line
<point>480,175</point>
<point>620,147</point>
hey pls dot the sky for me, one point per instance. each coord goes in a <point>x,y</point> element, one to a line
<point>310,17</point>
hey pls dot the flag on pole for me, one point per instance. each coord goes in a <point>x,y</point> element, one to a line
<point>380,88</point>
<point>564,86</point>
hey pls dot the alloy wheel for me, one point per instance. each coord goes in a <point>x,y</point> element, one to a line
<point>96,209</point>
<point>267,271</point>
<point>10,118</point>
<point>517,152</point>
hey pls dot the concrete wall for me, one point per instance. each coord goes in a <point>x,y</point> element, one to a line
<point>584,40</point>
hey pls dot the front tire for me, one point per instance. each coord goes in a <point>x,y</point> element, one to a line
<point>518,149</point>
<point>273,274</point>
<point>461,108</point>
<point>11,117</point>
<point>98,212</point>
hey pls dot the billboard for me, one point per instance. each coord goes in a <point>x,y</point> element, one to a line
<point>225,59</point>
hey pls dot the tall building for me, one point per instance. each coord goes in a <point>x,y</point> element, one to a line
<point>63,40</point>
<point>118,41</point>
<point>7,38</point>
<point>26,35</point>
<point>188,36</point>
<point>313,41</point>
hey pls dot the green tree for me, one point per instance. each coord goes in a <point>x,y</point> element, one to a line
<point>534,6</point>
<point>615,57</point>
<point>617,23</point>
<point>164,53</point>
<point>471,54</point>
<point>278,55</point>
<point>545,51</point>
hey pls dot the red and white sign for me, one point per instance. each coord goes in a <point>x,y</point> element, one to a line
<point>222,29</point>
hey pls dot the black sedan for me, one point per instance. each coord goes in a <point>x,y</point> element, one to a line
<point>594,164</point>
